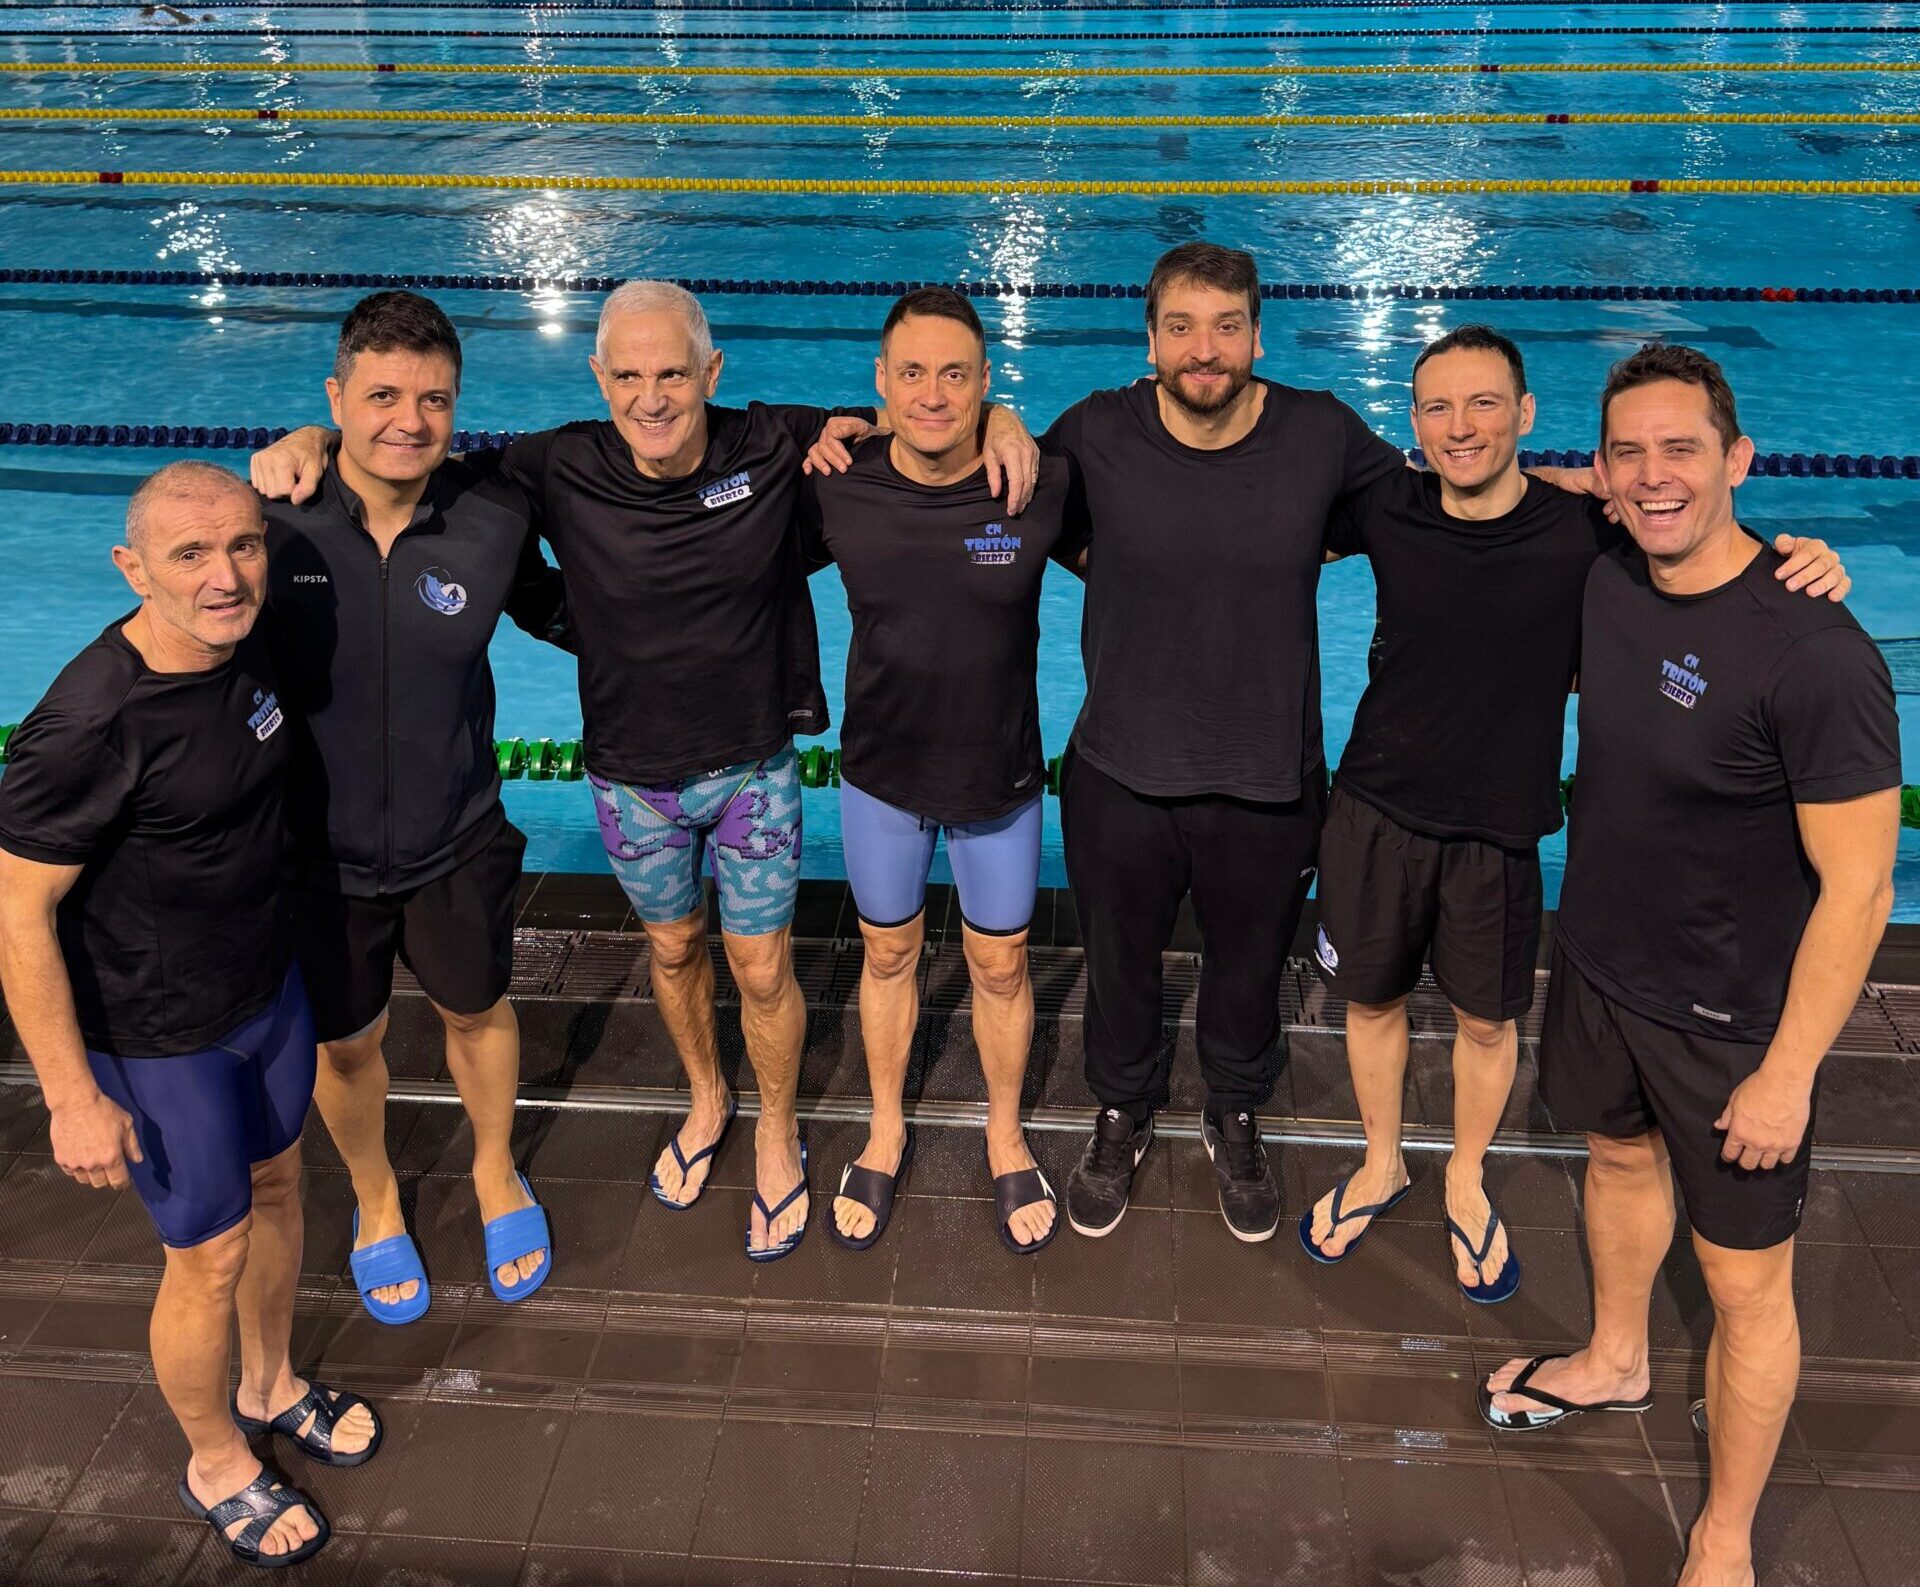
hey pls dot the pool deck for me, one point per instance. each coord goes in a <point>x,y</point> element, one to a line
<point>1162,1406</point>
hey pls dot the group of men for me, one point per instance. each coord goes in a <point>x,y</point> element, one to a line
<point>237,807</point>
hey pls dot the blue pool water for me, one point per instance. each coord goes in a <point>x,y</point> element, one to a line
<point>1810,378</point>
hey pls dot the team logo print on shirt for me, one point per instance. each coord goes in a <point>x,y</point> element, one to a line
<point>1682,684</point>
<point>735,487</point>
<point>437,589</point>
<point>267,715</point>
<point>993,546</point>
<point>1323,951</point>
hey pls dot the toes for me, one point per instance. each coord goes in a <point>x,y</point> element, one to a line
<point>851,1218</point>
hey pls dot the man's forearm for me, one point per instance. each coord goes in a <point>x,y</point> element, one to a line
<point>40,999</point>
<point>1836,952</point>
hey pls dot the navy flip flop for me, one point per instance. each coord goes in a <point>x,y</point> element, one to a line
<point>1502,1285</point>
<point>1378,1210</point>
<point>788,1246</point>
<point>688,1164</point>
<point>874,1191</point>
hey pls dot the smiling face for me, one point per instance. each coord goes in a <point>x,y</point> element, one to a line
<point>1468,417</point>
<point>649,371</point>
<point>1202,344</point>
<point>198,562</point>
<point>932,373</point>
<point>1669,469</point>
<point>395,413</point>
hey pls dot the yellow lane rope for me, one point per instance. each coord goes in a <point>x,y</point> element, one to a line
<point>801,69</point>
<point>803,185</point>
<point>1674,118</point>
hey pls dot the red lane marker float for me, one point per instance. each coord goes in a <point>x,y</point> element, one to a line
<point>113,177</point>
<point>385,66</point>
<point>268,115</point>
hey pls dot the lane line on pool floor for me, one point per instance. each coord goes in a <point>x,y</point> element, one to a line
<point>1465,118</point>
<point>989,187</point>
<point>1039,71</point>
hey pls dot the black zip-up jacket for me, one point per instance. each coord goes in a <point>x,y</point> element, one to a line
<point>384,673</point>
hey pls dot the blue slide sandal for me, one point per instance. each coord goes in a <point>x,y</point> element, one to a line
<point>513,1236</point>
<point>385,1262</point>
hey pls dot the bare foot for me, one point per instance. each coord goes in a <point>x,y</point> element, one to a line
<point>1714,1562</point>
<point>703,1127</point>
<point>351,1434</point>
<point>1367,1188</point>
<point>885,1147</point>
<point>498,1195</point>
<point>381,1219</point>
<point>1580,1377</point>
<point>1009,1155</point>
<point>1468,1206</point>
<point>776,1171</point>
<point>221,1480</point>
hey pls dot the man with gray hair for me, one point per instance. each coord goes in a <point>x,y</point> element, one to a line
<point>146,964</point>
<point>674,522</point>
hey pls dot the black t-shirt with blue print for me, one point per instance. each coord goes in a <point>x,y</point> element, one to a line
<point>942,715</point>
<point>167,790</point>
<point>688,606</point>
<point>1704,720</point>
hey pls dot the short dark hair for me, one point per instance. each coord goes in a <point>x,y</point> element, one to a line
<point>940,303</point>
<point>1209,265</point>
<point>1477,339</point>
<point>395,322</point>
<point>1672,361</point>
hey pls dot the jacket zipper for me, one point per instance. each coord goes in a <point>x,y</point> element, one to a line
<point>386,733</point>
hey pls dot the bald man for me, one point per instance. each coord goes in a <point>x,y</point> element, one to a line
<point>145,960</point>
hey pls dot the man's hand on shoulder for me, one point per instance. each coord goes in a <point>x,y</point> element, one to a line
<point>291,468</point>
<point>1012,457</point>
<point>1813,567</point>
<point>832,453</point>
<point>1582,482</point>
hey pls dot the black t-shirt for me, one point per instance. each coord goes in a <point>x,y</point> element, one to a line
<point>166,788</point>
<point>942,717</point>
<point>1703,721</point>
<point>1199,636</point>
<point>1458,734</point>
<point>688,603</point>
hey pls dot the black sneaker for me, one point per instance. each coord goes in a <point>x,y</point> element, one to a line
<point>1098,1186</point>
<point>1249,1194</point>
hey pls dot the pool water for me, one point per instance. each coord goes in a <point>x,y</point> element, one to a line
<point>1834,378</point>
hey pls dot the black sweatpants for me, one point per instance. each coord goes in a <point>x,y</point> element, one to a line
<point>1131,858</point>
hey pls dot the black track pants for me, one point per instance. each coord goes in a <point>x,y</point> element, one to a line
<point>1131,858</point>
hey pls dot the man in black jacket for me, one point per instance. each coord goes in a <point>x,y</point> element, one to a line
<point>385,590</point>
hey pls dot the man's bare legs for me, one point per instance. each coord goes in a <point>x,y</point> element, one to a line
<point>1485,1055</point>
<point>682,974</point>
<point>1753,1368</point>
<point>191,1331</point>
<point>889,1011</point>
<point>1003,1031</point>
<point>350,1088</point>
<point>1377,1037</point>
<point>1629,1216</point>
<point>773,1018</point>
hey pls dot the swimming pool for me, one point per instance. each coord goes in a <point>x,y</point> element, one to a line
<point>1811,377</point>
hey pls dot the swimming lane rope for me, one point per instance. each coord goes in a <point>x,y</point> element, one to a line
<point>962,73</point>
<point>1465,118</point>
<point>761,286</point>
<point>986,187</point>
<point>1116,36</point>
<point>564,760</point>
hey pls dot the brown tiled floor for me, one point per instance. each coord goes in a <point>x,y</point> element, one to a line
<point>1163,1406</point>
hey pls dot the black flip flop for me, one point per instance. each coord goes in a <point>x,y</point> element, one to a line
<point>1022,1188</point>
<point>327,1407</point>
<point>265,1500</point>
<point>874,1191</point>
<point>1533,1421</point>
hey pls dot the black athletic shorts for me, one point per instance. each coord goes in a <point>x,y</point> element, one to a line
<point>1606,1070</point>
<point>1391,899</point>
<point>454,933</point>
